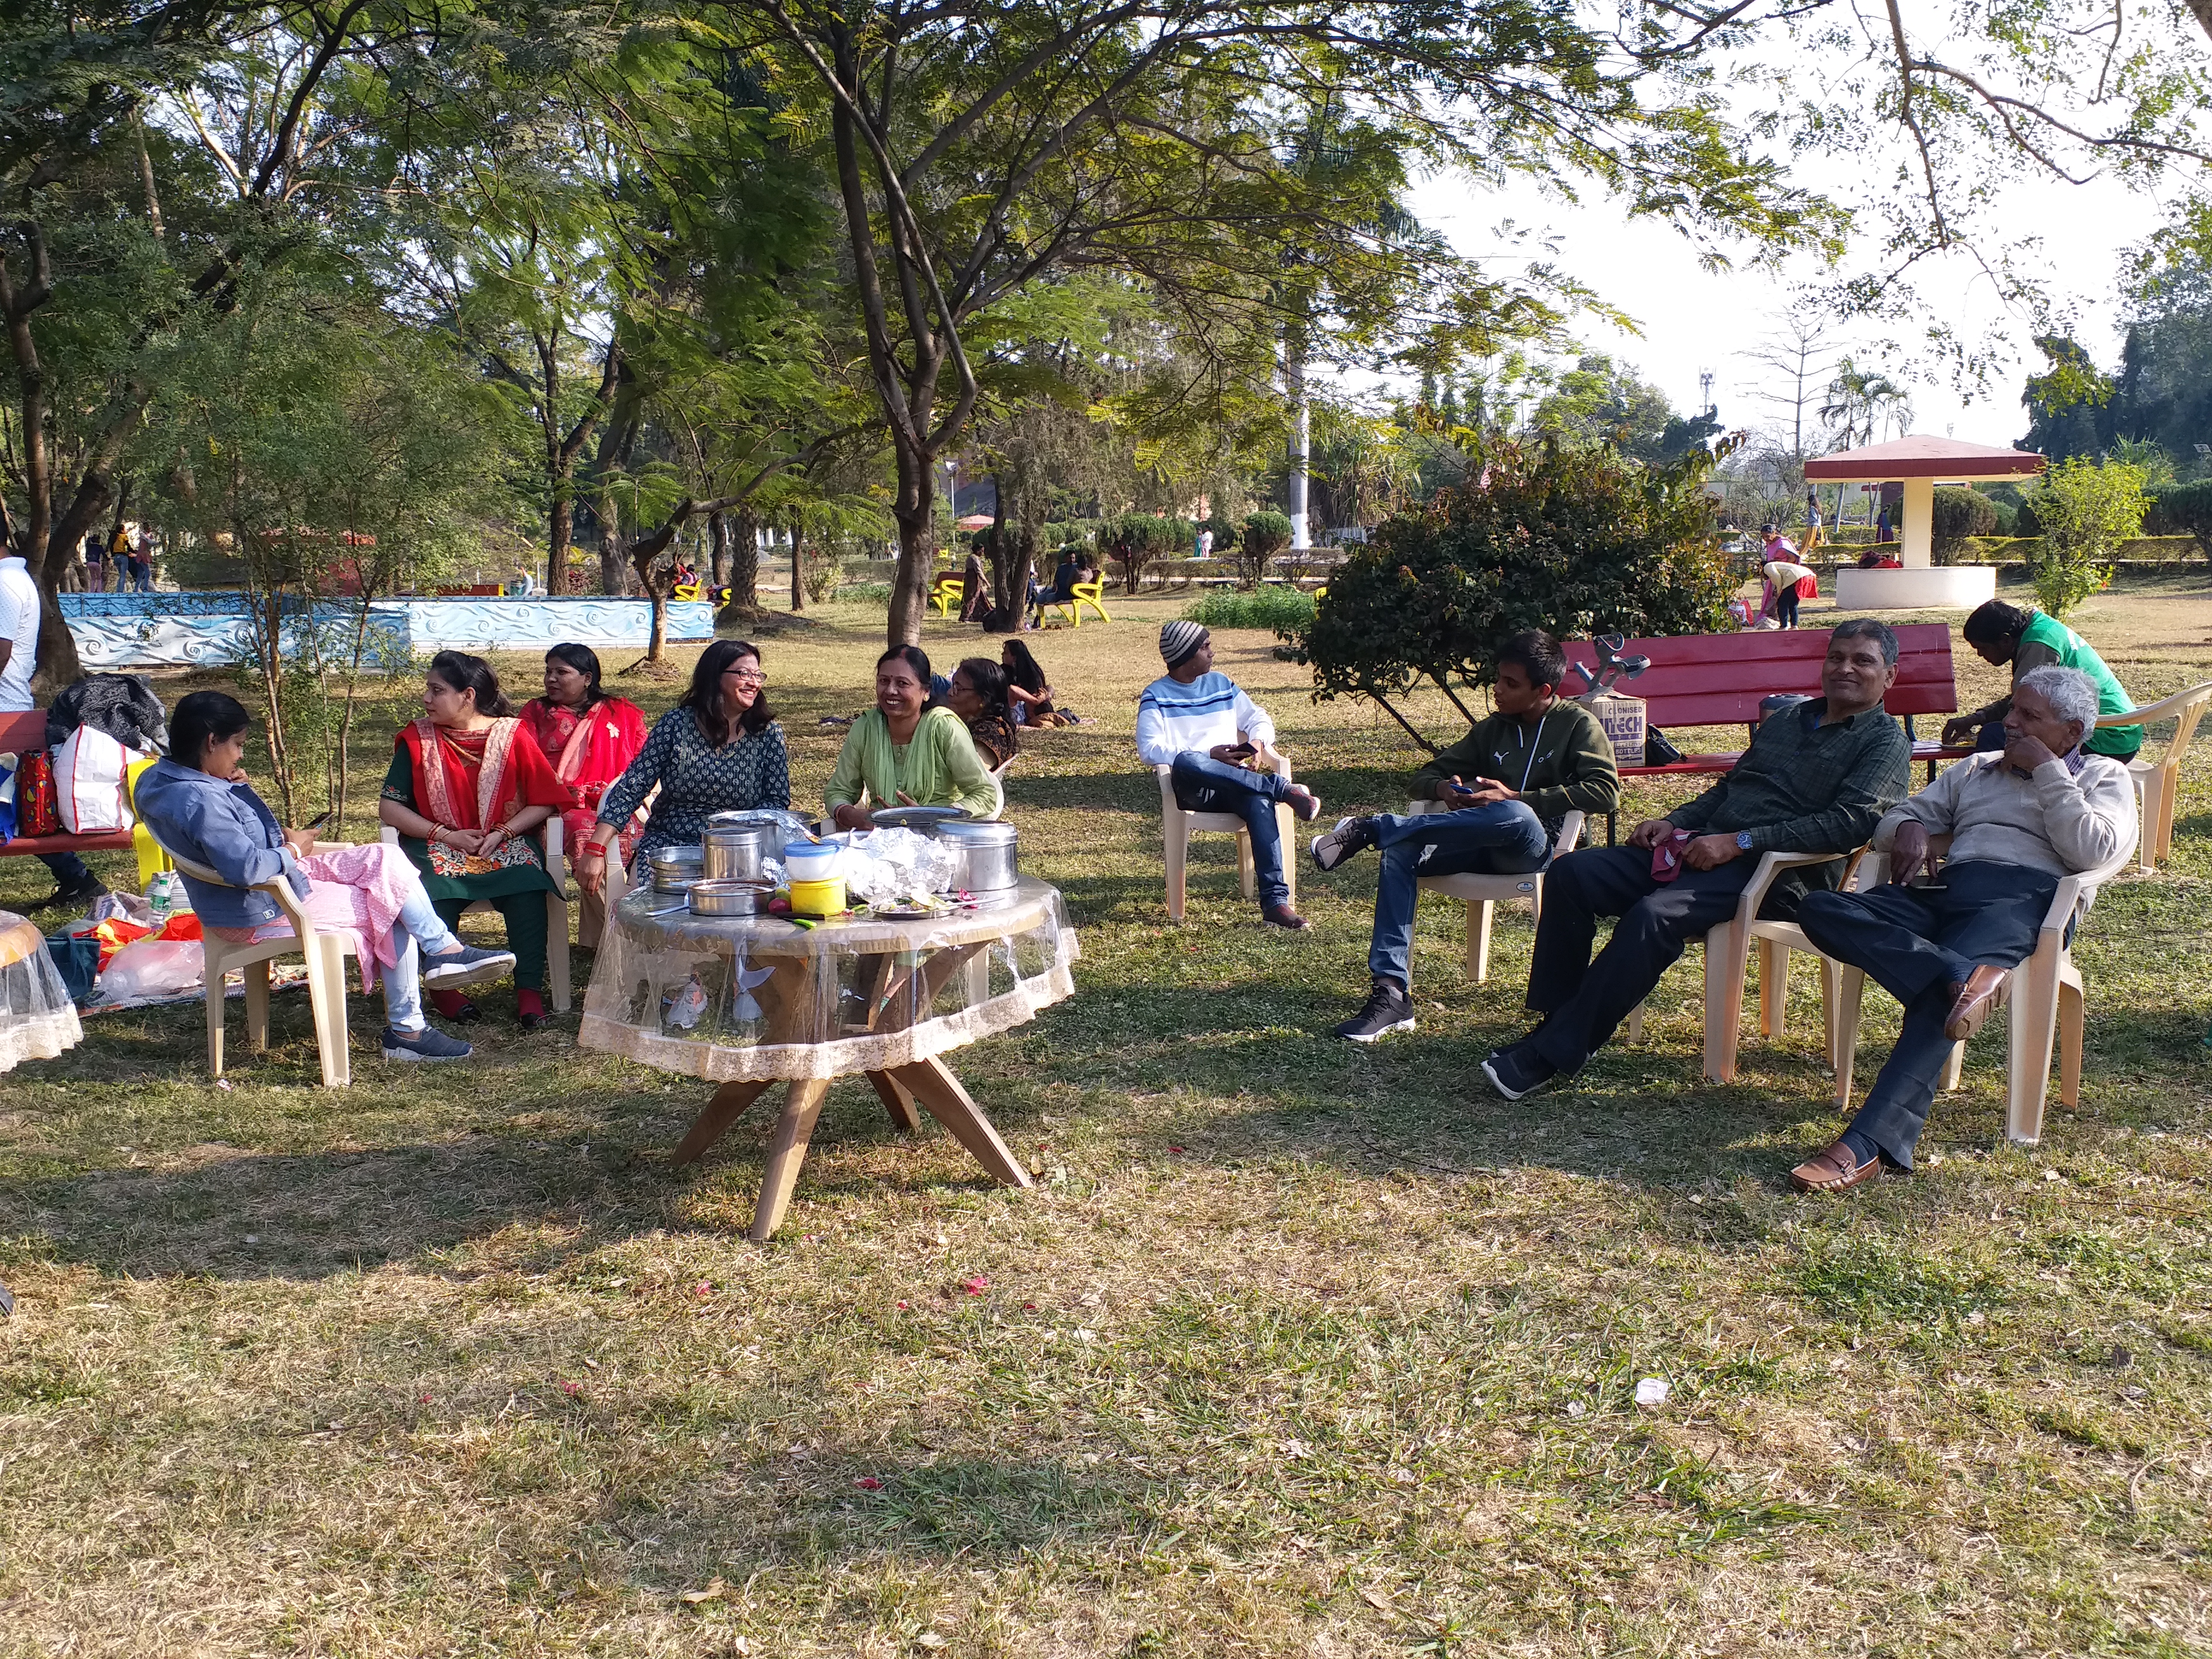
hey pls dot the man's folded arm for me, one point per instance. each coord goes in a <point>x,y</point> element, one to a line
<point>2090,819</point>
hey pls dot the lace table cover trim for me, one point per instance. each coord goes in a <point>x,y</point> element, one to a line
<point>840,1057</point>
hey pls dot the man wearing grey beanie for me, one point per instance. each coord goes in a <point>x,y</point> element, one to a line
<point>1211,736</point>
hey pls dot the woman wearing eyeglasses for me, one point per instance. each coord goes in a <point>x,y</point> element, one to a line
<point>718,750</point>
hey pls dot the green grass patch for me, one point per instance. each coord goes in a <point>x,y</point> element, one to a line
<point>1273,608</point>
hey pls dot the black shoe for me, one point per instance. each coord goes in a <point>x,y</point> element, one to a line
<point>1281,916</point>
<point>429,1043</point>
<point>1353,834</point>
<point>82,893</point>
<point>1389,1009</point>
<point>1515,1072</point>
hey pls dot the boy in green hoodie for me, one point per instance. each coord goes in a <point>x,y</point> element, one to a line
<point>1508,782</point>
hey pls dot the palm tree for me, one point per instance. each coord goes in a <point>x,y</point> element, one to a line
<point>1864,403</point>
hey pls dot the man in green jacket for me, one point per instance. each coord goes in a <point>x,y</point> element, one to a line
<point>2002,634</point>
<point>1508,782</point>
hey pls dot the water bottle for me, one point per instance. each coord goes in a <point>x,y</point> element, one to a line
<point>161,895</point>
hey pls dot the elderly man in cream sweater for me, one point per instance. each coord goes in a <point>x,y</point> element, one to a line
<point>2018,820</point>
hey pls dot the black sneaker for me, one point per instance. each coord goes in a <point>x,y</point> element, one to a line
<point>1331,846</point>
<point>1389,1009</point>
<point>429,1043</point>
<point>1514,1073</point>
<point>84,893</point>
<point>466,966</point>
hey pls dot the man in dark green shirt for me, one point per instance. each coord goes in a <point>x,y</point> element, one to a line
<point>1816,779</point>
<point>1507,784</point>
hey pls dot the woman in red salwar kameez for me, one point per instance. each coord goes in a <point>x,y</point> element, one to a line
<point>589,738</point>
<point>466,789</point>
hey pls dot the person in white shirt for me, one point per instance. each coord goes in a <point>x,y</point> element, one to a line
<point>19,656</point>
<point>1200,725</point>
<point>2020,820</point>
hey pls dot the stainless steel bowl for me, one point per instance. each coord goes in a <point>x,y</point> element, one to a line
<point>735,852</point>
<point>782,826</point>
<point>729,899</point>
<point>986,852</point>
<point>675,868</point>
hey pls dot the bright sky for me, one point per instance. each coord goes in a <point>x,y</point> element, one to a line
<point>1691,321</point>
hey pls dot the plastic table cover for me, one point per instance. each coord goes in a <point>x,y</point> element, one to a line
<point>746,999</point>
<point>37,1020</point>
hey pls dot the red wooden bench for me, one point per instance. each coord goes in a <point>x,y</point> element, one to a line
<point>1718,680</point>
<point>27,730</point>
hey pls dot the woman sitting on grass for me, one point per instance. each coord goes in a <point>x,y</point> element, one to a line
<point>718,750</point>
<point>903,753</point>
<point>197,805</point>
<point>1027,691</point>
<point>466,788</point>
<point>978,697</point>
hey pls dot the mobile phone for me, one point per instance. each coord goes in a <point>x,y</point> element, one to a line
<point>317,822</point>
<point>1242,751</point>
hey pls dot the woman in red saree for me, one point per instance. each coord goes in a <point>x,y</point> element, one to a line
<point>588,738</point>
<point>466,787</point>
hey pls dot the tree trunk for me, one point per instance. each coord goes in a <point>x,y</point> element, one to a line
<point>745,567</point>
<point>1294,375</point>
<point>798,583</point>
<point>917,560</point>
<point>718,549</point>
<point>561,532</point>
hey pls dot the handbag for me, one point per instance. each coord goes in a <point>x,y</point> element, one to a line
<point>38,812</point>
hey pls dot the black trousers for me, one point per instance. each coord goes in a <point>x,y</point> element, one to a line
<point>1584,1000</point>
<point>1918,944</point>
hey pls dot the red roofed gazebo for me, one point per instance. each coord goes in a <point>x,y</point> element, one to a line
<point>1920,463</point>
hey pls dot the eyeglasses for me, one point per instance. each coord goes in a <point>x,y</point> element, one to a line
<point>750,675</point>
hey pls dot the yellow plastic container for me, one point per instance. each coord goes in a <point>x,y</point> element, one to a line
<point>819,898</point>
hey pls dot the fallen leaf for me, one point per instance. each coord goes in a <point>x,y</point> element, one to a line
<point>976,1286</point>
<point>869,1483</point>
<point>712,1593</point>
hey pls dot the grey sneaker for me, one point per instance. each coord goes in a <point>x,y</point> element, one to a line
<point>1389,1009</point>
<point>466,966</point>
<point>1331,846</point>
<point>429,1043</point>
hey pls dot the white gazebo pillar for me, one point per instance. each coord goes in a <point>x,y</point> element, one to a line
<point>1919,551</point>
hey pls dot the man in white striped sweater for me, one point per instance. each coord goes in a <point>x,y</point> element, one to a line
<point>1215,739</point>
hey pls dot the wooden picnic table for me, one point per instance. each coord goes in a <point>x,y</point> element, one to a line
<point>748,1002</point>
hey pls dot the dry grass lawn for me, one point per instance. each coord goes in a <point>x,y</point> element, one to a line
<point>1298,1348</point>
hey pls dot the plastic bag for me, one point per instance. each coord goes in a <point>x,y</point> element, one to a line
<point>88,770</point>
<point>150,969</point>
<point>890,864</point>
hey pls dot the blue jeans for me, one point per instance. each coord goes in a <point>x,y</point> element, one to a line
<point>417,930</point>
<point>1504,838</point>
<point>70,870</point>
<point>1203,784</point>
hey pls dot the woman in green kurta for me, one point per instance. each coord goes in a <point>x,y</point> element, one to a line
<point>903,753</point>
<point>466,789</point>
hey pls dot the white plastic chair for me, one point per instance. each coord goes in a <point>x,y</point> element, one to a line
<point>1481,892</point>
<point>557,905</point>
<point>2157,782</point>
<point>1177,826</point>
<point>324,953</point>
<point>2046,1002</point>
<point>998,783</point>
<point>1728,959</point>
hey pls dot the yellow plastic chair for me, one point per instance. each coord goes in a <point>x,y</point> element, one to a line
<point>1090,593</point>
<point>946,592</point>
<point>152,858</point>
